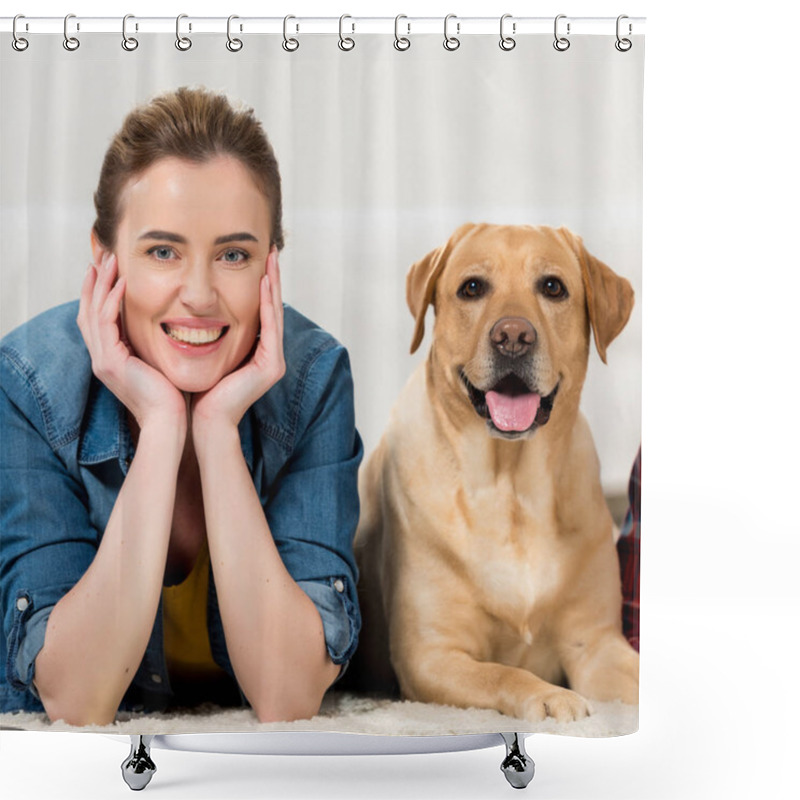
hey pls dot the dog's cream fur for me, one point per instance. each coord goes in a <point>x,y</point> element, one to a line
<point>489,571</point>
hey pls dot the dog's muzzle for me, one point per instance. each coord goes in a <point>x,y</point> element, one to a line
<point>510,407</point>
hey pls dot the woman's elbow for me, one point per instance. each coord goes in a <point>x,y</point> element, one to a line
<point>290,703</point>
<point>77,716</point>
<point>286,710</point>
<point>64,706</point>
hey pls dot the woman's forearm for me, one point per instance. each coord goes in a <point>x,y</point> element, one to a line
<point>98,632</point>
<point>273,631</point>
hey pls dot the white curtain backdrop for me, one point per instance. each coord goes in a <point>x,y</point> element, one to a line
<point>383,154</point>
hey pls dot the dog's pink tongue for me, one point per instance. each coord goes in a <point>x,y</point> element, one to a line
<point>512,413</point>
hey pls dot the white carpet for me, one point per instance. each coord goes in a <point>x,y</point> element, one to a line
<point>348,713</point>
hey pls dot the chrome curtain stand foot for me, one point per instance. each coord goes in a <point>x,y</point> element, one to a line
<point>518,766</point>
<point>138,768</point>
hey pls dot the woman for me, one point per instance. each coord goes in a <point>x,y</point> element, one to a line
<point>179,466</point>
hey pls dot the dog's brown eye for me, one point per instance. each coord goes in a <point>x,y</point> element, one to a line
<point>472,289</point>
<point>553,288</point>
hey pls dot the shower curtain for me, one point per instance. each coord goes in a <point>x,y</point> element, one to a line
<point>385,150</point>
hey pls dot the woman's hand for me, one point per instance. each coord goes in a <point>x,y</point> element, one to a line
<point>226,403</point>
<point>143,390</point>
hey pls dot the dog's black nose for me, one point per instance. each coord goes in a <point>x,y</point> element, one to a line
<point>512,336</point>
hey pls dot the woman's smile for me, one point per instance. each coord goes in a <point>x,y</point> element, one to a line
<point>194,332</point>
<point>192,245</point>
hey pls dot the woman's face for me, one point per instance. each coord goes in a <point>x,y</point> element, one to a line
<point>192,244</point>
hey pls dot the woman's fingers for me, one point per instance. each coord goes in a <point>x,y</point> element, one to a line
<point>108,317</point>
<point>87,290</point>
<point>98,318</point>
<point>141,388</point>
<point>106,273</point>
<point>268,336</point>
<point>95,289</point>
<point>268,358</point>
<point>235,393</point>
<point>274,273</point>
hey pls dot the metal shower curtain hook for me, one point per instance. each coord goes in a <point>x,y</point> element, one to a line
<point>71,43</point>
<point>182,42</point>
<point>290,44</point>
<point>129,43</point>
<point>507,42</point>
<point>623,45</point>
<point>561,43</point>
<point>346,42</point>
<point>18,42</point>
<point>401,42</point>
<point>451,42</point>
<point>234,45</point>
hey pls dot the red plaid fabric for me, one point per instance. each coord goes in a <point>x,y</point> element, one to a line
<point>628,550</point>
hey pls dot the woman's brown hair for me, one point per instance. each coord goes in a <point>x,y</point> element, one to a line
<point>192,124</point>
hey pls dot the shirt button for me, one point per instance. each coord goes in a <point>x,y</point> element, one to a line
<point>338,584</point>
<point>155,677</point>
<point>22,603</point>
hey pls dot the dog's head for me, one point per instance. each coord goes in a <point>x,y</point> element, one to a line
<point>514,305</point>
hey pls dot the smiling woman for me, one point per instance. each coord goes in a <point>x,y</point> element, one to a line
<point>192,283</point>
<point>167,540</point>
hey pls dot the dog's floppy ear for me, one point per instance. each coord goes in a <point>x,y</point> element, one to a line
<point>421,281</point>
<point>609,297</point>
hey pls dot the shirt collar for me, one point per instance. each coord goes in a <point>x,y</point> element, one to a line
<point>106,435</point>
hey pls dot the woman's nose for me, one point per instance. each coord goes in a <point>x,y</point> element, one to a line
<point>197,287</point>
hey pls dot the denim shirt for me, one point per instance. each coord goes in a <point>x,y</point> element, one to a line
<point>65,449</point>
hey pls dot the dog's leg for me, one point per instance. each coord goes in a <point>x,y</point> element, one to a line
<point>605,669</point>
<point>455,678</point>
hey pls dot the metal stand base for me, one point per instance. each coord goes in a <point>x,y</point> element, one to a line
<point>518,766</point>
<point>138,768</point>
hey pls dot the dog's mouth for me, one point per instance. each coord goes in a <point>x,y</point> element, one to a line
<point>511,407</point>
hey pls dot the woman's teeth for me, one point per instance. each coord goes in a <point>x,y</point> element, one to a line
<point>193,335</point>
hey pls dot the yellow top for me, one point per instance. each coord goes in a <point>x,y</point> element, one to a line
<point>186,643</point>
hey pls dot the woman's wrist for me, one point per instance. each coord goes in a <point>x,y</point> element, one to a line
<point>164,430</point>
<point>214,436</point>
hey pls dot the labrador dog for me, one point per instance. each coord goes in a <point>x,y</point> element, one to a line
<point>489,570</point>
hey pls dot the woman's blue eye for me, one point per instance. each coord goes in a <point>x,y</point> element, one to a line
<point>234,256</point>
<point>162,253</point>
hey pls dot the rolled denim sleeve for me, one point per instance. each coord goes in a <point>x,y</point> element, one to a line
<point>47,540</point>
<point>29,644</point>
<point>313,507</point>
<point>337,615</point>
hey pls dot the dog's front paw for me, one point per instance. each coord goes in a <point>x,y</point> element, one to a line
<point>616,686</point>
<point>613,676</point>
<point>560,704</point>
